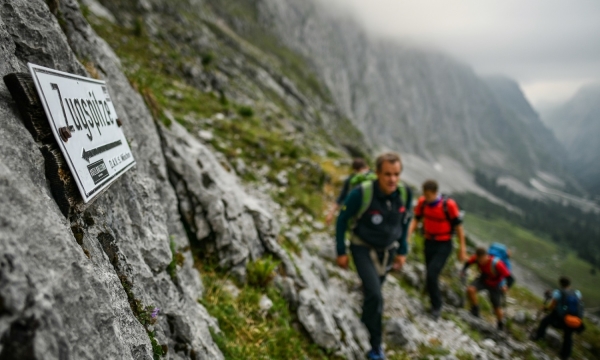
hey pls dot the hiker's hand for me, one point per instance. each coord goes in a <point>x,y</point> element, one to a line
<point>399,262</point>
<point>329,218</point>
<point>462,255</point>
<point>342,261</point>
<point>505,289</point>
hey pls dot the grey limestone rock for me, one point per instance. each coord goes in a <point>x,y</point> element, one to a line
<point>452,298</point>
<point>521,317</point>
<point>482,326</point>
<point>319,322</point>
<point>70,286</point>
<point>211,200</point>
<point>288,290</point>
<point>400,332</point>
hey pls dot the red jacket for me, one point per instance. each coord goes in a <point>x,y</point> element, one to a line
<point>436,224</point>
<point>492,277</point>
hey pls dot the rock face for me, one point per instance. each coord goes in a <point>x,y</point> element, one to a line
<point>420,102</point>
<point>576,125</point>
<point>80,288</point>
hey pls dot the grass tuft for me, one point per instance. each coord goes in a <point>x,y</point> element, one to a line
<point>248,332</point>
<point>261,271</point>
<point>246,111</point>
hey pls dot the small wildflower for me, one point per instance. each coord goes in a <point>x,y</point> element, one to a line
<point>155,313</point>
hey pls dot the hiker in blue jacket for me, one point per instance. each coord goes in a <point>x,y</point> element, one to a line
<point>566,313</point>
<point>376,212</point>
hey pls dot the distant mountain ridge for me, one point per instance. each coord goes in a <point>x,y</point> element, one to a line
<point>577,125</point>
<point>418,101</point>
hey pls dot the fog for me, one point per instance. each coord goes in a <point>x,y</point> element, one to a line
<point>551,47</point>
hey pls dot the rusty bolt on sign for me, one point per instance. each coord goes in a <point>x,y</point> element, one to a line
<point>65,133</point>
<point>119,122</point>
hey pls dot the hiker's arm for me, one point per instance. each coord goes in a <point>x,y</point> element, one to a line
<point>411,229</point>
<point>502,271</point>
<point>403,241</point>
<point>550,306</point>
<point>349,210</point>
<point>418,216</point>
<point>345,190</point>
<point>462,254</point>
<point>402,250</point>
<point>469,262</point>
<point>456,219</point>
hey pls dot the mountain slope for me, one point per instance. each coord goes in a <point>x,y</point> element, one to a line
<point>509,94</point>
<point>414,100</point>
<point>577,125</point>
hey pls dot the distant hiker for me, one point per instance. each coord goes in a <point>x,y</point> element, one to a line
<point>500,251</point>
<point>360,173</point>
<point>441,219</point>
<point>566,313</point>
<point>493,273</point>
<point>377,214</point>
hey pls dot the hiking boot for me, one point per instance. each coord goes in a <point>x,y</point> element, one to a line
<point>475,311</point>
<point>500,326</point>
<point>435,314</point>
<point>376,354</point>
<point>534,337</point>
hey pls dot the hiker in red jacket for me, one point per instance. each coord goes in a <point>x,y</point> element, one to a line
<point>493,272</point>
<point>441,219</point>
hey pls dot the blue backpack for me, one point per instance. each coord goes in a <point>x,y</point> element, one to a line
<point>570,304</point>
<point>499,251</point>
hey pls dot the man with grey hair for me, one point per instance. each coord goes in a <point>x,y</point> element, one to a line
<point>377,214</point>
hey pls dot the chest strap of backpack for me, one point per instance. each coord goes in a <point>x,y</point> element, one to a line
<point>380,266</point>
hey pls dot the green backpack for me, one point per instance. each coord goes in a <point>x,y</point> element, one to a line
<point>358,179</point>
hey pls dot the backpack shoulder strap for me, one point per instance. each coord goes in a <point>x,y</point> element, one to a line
<point>403,193</point>
<point>445,207</point>
<point>367,198</point>
<point>495,261</point>
<point>562,304</point>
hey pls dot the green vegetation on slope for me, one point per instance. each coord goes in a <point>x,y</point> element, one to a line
<point>249,332</point>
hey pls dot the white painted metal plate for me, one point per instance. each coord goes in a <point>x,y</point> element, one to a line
<point>97,152</point>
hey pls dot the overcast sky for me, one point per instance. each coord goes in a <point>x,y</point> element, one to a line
<point>551,47</point>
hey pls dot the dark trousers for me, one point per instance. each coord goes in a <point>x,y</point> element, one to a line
<point>436,255</point>
<point>372,310</point>
<point>553,319</point>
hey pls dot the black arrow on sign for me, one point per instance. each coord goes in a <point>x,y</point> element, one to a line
<point>99,150</point>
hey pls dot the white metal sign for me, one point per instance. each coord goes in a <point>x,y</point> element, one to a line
<point>85,125</point>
